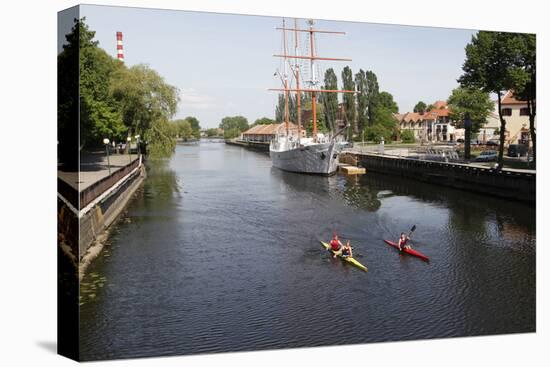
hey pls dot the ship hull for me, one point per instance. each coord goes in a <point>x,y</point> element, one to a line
<point>320,159</point>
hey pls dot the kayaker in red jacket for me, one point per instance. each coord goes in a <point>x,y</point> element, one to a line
<point>336,245</point>
<point>402,243</point>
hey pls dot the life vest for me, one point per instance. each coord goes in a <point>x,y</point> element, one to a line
<point>335,245</point>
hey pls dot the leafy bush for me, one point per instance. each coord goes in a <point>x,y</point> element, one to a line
<point>376,132</point>
<point>231,133</point>
<point>407,136</point>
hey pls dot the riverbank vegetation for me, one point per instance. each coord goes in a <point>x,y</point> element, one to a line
<point>368,115</point>
<point>497,62</point>
<point>116,101</point>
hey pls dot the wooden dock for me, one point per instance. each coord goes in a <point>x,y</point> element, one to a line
<point>348,169</point>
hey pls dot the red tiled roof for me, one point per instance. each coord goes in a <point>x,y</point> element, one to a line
<point>412,116</point>
<point>439,104</point>
<point>509,99</point>
<point>269,129</point>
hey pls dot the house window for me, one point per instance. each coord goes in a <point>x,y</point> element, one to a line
<point>524,111</point>
<point>506,112</point>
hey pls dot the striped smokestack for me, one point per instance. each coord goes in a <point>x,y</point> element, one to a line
<point>119,48</point>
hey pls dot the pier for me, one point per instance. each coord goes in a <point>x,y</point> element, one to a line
<point>506,183</point>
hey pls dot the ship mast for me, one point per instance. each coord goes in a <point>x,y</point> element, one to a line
<point>285,77</point>
<point>297,72</point>
<point>313,82</point>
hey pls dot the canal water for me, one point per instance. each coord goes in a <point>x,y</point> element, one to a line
<point>220,252</point>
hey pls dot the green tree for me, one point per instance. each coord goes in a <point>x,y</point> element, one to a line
<point>376,132</point>
<point>385,100</point>
<point>183,129</point>
<point>99,116</point>
<point>407,136</point>
<point>280,108</point>
<point>263,121</point>
<point>330,100</point>
<point>473,101</point>
<point>420,107</point>
<point>525,80</point>
<point>470,104</point>
<point>68,63</point>
<point>349,102</point>
<point>490,66</point>
<point>231,133</point>
<point>362,99</point>
<point>372,95</point>
<point>195,126</point>
<point>161,138</point>
<point>146,102</point>
<point>211,132</point>
<point>239,123</point>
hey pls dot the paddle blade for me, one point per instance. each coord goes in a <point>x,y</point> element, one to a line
<point>413,228</point>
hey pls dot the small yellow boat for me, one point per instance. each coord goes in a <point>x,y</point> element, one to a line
<point>350,260</point>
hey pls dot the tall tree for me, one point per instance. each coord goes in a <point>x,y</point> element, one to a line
<point>385,100</point>
<point>99,116</point>
<point>476,102</point>
<point>372,95</point>
<point>68,63</point>
<point>263,121</point>
<point>349,102</point>
<point>239,123</point>
<point>195,126</point>
<point>525,80</point>
<point>420,107</point>
<point>362,99</point>
<point>330,100</point>
<point>489,66</point>
<point>470,108</point>
<point>279,108</point>
<point>146,102</point>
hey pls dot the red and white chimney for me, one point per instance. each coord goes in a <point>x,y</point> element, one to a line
<point>119,48</point>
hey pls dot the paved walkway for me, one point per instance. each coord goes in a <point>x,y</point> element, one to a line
<point>94,167</point>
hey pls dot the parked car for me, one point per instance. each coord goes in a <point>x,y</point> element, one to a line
<point>517,150</point>
<point>493,142</point>
<point>460,140</point>
<point>486,156</point>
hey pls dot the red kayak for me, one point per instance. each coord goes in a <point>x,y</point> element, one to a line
<point>409,251</point>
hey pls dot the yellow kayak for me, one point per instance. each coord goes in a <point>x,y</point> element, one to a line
<point>350,260</point>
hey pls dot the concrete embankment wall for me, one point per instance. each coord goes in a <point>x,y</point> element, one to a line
<point>252,145</point>
<point>104,213</point>
<point>505,183</point>
<point>81,233</point>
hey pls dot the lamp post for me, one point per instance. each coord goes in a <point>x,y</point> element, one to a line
<point>137,145</point>
<point>467,135</point>
<point>129,139</point>
<point>106,142</point>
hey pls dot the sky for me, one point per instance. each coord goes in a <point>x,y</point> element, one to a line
<point>223,64</point>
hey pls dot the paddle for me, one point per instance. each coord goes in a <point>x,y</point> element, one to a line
<point>412,230</point>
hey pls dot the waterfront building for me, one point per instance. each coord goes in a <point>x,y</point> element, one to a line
<point>516,114</point>
<point>433,125</point>
<point>265,133</point>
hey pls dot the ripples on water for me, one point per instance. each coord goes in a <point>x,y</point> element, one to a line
<point>220,252</point>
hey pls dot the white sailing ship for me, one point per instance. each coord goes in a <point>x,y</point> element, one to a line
<point>290,150</point>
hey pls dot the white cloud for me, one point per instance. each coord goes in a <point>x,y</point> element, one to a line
<point>190,98</point>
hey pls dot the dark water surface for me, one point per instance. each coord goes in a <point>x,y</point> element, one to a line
<point>220,252</point>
